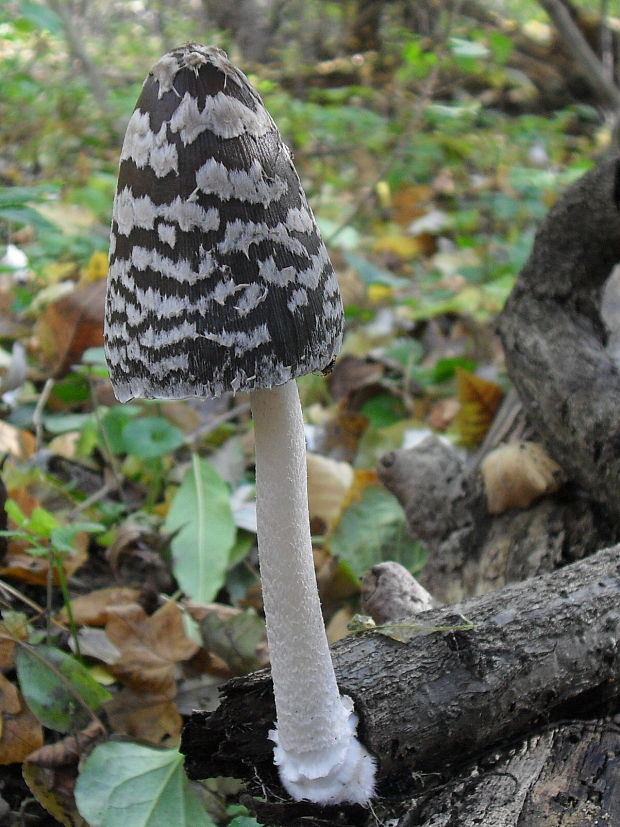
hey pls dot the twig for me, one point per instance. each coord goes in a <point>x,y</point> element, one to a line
<point>214,424</point>
<point>37,416</point>
<point>580,48</point>
<point>105,489</point>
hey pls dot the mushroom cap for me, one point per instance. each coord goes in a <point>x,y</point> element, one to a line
<point>219,279</point>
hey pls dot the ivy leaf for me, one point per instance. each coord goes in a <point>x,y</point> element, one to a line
<point>124,784</point>
<point>59,690</point>
<point>202,522</point>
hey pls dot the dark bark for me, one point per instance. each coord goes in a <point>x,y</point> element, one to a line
<point>562,776</point>
<point>471,551</point>
<point>427,706</point>
<point>555,341</point>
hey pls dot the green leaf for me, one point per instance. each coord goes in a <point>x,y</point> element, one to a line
<point>371,274</point>
<point>150,437</point>
<point>41,17</point>
<point>235,639</point>
<point>405,630</point>
<point>383,410</point>
<point>372,529</point>
<point>58,690</point>
<point>27,216</point>
<point>62,423</point>
<point>42,523</point>
<point>124,784</point>
<point>63,537</point>
<point>202,522</point>
<point>15,513</point>
<point>113,423</point>
<point>21,196</point>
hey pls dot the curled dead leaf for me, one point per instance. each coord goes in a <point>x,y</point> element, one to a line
<point>68,750</point>
<point>92,609</point>
<point>70,325</point>
<point>20,732</point>
<point>149,716</point>
<point>53,789</point>
<point>328,483</point>
<point>516,474</point>
<point>479,400</point>
<point>150,647</point>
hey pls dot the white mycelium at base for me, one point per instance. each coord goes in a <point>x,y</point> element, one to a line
<point>317,751</point>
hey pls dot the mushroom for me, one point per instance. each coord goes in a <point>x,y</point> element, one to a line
<point>219,281</point>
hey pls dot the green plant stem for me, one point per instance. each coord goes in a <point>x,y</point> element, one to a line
<point>62,580</point>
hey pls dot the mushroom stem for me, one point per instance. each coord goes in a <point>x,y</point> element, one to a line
<point>318,754</point>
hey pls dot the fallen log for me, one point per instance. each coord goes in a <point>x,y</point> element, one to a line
<point>534,650</point>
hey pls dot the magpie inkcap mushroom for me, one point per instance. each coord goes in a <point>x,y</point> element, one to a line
<point>219,281</point>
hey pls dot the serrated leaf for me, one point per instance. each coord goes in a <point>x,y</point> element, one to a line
<point>202,522</point>
<point>125,784</point>
<point>479,400</point>
<point>57,688</point>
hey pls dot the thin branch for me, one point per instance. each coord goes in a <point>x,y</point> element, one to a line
<point>579,47</point>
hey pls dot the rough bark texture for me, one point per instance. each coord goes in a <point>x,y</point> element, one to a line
<point>563,364</point>
<point>429,705</point>
<point>555,340</point>
<point>471,551</point>
<point>562,776</point>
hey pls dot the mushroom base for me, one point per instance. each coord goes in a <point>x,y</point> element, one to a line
<point>341,773</point>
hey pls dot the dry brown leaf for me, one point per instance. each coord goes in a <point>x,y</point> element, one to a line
<point>146,715</point>
<point>14,625</point>
<point>352,373</point>
<point>410,202</point>
<point>479,400</point>
<point>338,626</point>
<point>16,442</point>
<point>92,609</point>
<point>518,473</point>
<point>9,697</point>
<point>150,647</point>
<point>70,325</point>
<point>20,732</point>
<point>53,789</point>
<point>20,565</point>
<point>328,483</point>
<point>342,434</point>
<point>68,750</point>
<point>443,413</point>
